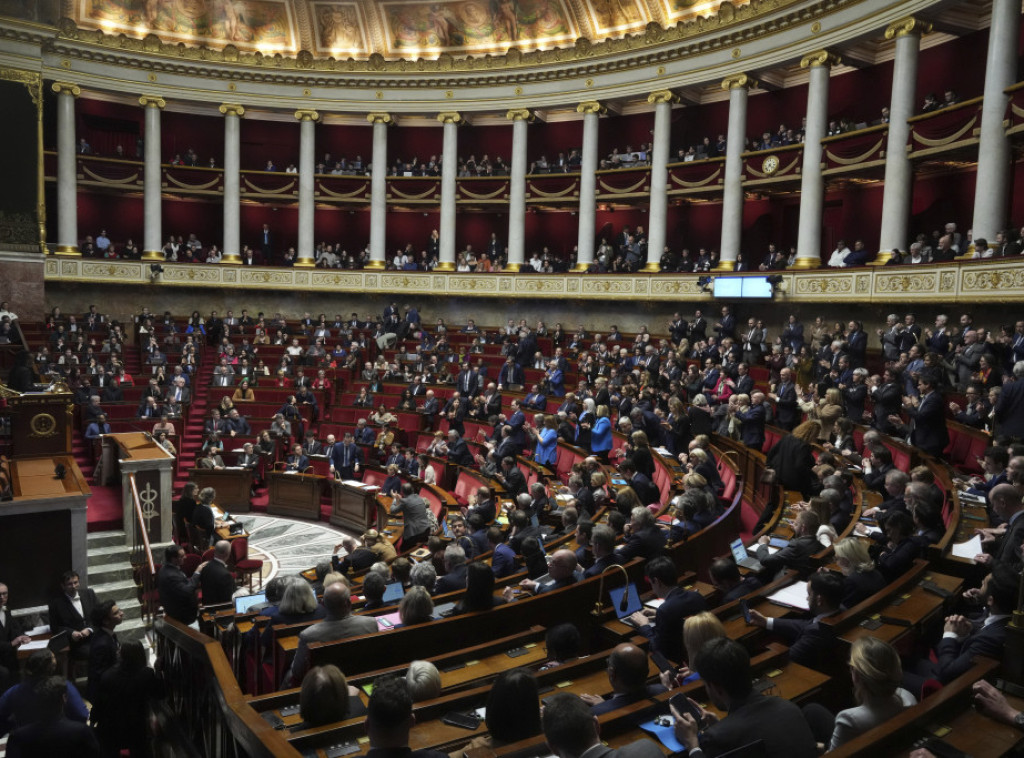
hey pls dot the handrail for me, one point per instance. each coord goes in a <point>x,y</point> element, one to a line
<point>139,522</point>
<point>144,572</point>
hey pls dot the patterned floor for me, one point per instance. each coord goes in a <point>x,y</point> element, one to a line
<point>288,546</point>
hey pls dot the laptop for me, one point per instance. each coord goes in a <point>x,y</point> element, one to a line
<point>245,602</point>
<point>742,557</point>
<point>626,602</point>
<point>393,592</point>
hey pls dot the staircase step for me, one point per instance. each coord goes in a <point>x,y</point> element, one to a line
<point>113,538</point>
<point>107,573</point>
<point>123,591</point>
<point>110,554</point>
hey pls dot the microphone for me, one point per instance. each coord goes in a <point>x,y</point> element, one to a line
<point>624,603</point>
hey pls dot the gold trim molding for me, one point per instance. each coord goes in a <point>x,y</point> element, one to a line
<point>232,109</point>
<point>591,106</point>
<point>519,114</point>
<point>820,59</point>
<point>663,96</point>
<point>152,101</point>
<point>66,88</point>
<point>380,118</point>
<point>739,81</point>
<point>907,26</point>
<point>307,114</point>
<point>450,117</point>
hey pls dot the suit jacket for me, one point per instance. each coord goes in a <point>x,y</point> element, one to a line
<point>1009,410</point>
<point>64,617</point>
<point>666,635</point>
<point>619,700</point>
<point>327,631</point>
<point>453,581</point>
<point>645,489</point>
<point>954,657</point>
<point>177,595</point>
<point>897,561</point>
<point>810,642</point>
<point>793,460</point>
<point>1008,550</point>
<point>504,561</point>
<point>11,630</point>
<point>646,543</point>
<point>929,425</point>
<point>796,555</point>
<point>778,724</point>
<point>296,463</point>
<point>414,515</point>
<point>514,482</point>
<point>787,412</point>
<point>217,583</point>
<point>52,738</point>
<point>102,658</point>
<point>459,453</point>
<point>752,423</point>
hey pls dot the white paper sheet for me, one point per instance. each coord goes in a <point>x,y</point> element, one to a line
<point>795,596</point>
<point>968,549</point>
<point>35,645</point>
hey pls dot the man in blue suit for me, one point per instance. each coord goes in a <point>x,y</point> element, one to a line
<point>297,461</point>
<point>346,458</point>
<point>666,634</point>
<point>503,561</point>
<point>752,420</point>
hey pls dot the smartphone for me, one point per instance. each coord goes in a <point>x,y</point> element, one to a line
<point>663,663</point>
<point>745,607</point>
<point>683,705</point>
<point>463,720</point>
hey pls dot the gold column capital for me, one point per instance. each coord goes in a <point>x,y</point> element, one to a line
<point>739,81</point>
<point>450,117</point>
<point>820,59</point>
<point>66,88</point>
<point>663,96</point>
<point>152,101</point>
<point>904,27</point>
<point>379,118</point>
<point>307,114</point>
<point>591,106</point>
<point>232,109</point>
<point>519,114</point>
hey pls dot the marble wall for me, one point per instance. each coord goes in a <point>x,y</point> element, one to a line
<point>22,284</point>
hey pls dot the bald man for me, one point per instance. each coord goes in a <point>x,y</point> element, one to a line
<point>1004,545</point>
<point>215,579</point>
<point>628,672</point>
<point>561,573</point>
<point>339,624</point>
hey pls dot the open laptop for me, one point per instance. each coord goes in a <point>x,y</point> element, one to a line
<point>245,602</point>
<point>393,592</point>
<point>626,601</point>
<point>742,557</point>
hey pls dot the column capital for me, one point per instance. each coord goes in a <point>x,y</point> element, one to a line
<point>907,26</point>
<point>519,114</point>
<point>380,118</point>
<point>739,81</point>
<point>152,101</point>
<point>820,59</point>
<point>66,88</point>
<point>591,106</point>
<point>232,109</point>
<point>450,117</point>
<point>307,115</point>
<point>663,96</point>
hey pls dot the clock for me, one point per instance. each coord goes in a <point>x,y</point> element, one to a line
<point>43,425</point>
<point>770,164</point>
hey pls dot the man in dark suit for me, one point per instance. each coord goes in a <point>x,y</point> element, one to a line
<point>103,650</point>
<point>856,344</point>
<point>677,604</point>
<point>339,623</point>
<point>482,504</point>
<point>266,240</point>
<point>1009,410</point>
<point>177,593</point>
<point>215,580</point>
<point>787,411</point>
<point>69,611</point>
<point>810,642</point>
<point>602,545</point>
<point>511,477</point>
<point>458,450</point>
<point>503,561</point>
<point>1005,549</point>
<point>963,639</point>
<point>642,485</point>
<point>454,578</point>
<point>776,723</point>
<point>467,382</point>
<point>297,461</point>
<point>627,674</point>
<point>389,718</point>
<point>346,458</point>
<point>726,578</point>
<point>511,374</point>
<point>516,420</point>
<point>11,638</point>
<point>752,422</point>
<point>797,554</point>
<point>202,514</point>
<point>572,731</point>
<point>929,419</point>
<point>643,537</point>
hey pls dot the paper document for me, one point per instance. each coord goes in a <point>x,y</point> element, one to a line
<point>795,596</point>
<point>968,549</point>
<point>35,645</point>
<point>41,629</point>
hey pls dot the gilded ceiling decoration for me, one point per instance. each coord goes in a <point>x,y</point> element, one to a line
<point>393,29</point>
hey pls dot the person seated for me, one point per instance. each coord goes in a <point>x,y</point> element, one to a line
<point>666,631</point>
<point>628,672</point>
<point>327,697</point>
<point>456,571</point>
<point>54,733</point>
<point>861,579</point>
<point>389,718</point>
<point>644,538</point>
<point>561,573</point>
<point>424,681</point>
<point>797,554</point>
<point>572,731</point>
<point>810,642</point>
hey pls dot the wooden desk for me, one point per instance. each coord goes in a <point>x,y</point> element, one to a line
<point>234,486</point>
<point>294,495</point>
<point>354,507</point>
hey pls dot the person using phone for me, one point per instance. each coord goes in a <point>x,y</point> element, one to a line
<point>666,633</point>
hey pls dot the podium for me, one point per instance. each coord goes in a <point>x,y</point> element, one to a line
<point>42,423</point>
<point>353,505</point>
<point>233,485</point>
<point>137,453</point>
<point>295,495</point>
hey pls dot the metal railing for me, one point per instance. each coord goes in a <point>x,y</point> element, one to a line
<point>143,567</point>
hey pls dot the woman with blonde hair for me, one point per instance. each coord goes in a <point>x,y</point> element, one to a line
<point>861,579</point>
<point>698,630</point>
<point>601,434</point>
<point>829,410</point>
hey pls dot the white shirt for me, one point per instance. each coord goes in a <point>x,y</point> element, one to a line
<point>838,258</point>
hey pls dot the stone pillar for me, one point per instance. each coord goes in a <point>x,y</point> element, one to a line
<point>899,174</point>
<point>152,200</point>
<point>591,111</point>
<point>67,171</point>
<point>449,165</point>
<point>307,167</point>
<point>992,187</point>
<point>732,194</point>
<point>379,190</point>
<point>657,217</point>
<point>519,117</point>
<point>232,182</point>
<point>812,184</point>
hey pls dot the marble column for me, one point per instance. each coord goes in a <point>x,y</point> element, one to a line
<point>67,171</point>
<point>812,183</point>
<point>732,194</point>
<point>899,174</point>
<point>307,204</point>
<point>449,165</point>
<point>152,198</point>
<point>591,111</point>
<point>992,185</point>
<point>519,117</point>
<point>657,217</point>
<point>232,182</point>
<point>379,190</point>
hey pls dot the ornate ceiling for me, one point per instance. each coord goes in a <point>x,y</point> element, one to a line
<point>407,29</point>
